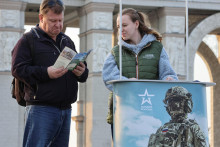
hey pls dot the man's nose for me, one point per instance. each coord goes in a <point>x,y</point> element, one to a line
<point>57,23</point>
<point>177,104</point>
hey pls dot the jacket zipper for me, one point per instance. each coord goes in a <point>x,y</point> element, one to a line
<point>54,53</point>
<point>36,91</point>
<point>62,40</point>
<point>60,45</point>
<point>65,98</point>
<point>56,47</point>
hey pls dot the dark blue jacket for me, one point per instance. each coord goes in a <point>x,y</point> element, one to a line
<point>40,89</point>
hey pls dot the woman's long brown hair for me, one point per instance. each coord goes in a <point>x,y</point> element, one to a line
<point>143,28</point>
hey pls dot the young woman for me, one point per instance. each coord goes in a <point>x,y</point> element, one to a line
<point>143,56</point>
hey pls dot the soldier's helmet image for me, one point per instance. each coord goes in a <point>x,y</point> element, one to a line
<point>179,131</point>
<point>179,93</point>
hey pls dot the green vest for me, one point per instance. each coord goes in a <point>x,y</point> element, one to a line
<point>147,61</point>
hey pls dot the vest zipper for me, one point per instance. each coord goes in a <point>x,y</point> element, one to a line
<point>137,74</point>
<point>136,57</point>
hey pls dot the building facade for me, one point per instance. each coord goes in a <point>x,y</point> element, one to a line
<point>96,22</point>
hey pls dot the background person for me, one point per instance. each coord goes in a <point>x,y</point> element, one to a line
<point>49,92</point>
<point>143,56</point>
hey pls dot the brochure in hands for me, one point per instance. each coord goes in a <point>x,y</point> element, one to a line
<point>69,59</point>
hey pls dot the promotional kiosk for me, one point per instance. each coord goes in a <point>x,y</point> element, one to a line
<point>146,113</point>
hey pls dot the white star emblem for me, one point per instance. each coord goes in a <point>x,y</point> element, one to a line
<point>148,100</point>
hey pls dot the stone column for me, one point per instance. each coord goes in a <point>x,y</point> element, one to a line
<point>11,29</point>
<point>218,38</point>
<point>95,33</point>
<point>79,119</point>
<point>172,27</point>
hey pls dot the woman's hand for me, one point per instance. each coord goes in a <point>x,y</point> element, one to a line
<point>133,78</point>
<point>169,79</point>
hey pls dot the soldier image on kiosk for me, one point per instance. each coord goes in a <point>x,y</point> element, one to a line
<point>179,131</point>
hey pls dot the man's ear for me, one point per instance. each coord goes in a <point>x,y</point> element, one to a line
<point>40,17</point>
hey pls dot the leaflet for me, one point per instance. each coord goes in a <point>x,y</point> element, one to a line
<point>69,59</point>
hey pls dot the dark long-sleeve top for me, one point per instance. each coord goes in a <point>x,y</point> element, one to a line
<point>32,70</point>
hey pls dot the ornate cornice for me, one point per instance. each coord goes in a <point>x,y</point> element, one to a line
<point>174,11</point>
<point>13,5</point>
<point>19,30</point>
<point>173,35</point>
<point>5,73</point>
<point>102,7</point>
<point>95,31</point>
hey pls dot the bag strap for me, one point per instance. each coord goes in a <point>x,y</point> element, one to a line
<point>31,43</point>
<point>30,38</point>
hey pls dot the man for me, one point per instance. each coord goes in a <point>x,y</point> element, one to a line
<point>180,131</point>
<point>49,92</point>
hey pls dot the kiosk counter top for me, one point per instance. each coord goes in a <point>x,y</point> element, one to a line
<point>207,84</point>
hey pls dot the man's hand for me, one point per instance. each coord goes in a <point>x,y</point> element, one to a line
<point>56,72</point>
<point>79,70</point>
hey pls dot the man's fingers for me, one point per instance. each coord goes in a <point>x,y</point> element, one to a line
<point>82,65</point>
<point>56,72</point>
<point>59,70</point>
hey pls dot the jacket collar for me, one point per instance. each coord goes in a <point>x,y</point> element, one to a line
<point>145,42</point>
<point>41,34</point>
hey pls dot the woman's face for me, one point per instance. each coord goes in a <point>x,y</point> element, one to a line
<point>129,28</point>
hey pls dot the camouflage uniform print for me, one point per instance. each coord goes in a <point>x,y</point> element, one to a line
<point>180,131</point>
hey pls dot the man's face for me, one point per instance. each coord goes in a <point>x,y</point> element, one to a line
<point>176,105</point>
<point>51,23</point>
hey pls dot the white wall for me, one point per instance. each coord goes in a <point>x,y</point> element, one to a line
<point>11,124</point>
